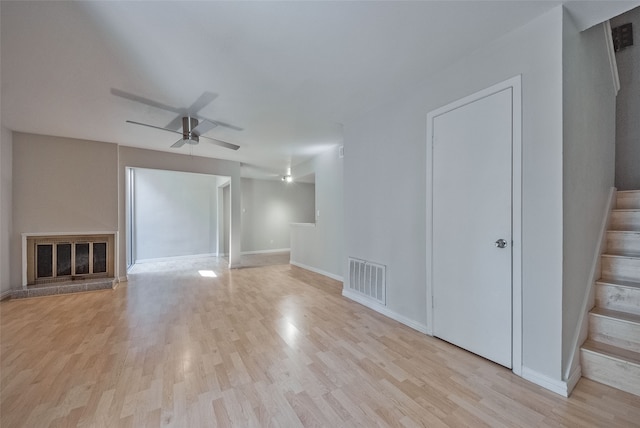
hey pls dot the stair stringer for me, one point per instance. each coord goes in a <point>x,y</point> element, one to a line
<point>573,371</point>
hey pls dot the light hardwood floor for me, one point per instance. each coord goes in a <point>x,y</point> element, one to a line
<point>270,346</point>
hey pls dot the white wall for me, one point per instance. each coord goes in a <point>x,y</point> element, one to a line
<point>589,107</point>
<point>268,209</point>
<point>150,159</point>
<point>628,107</point>
<point>173,214</point>
<point>6,158</point>
<point>385,182</point>
<point>320,246</point>
<point>61,185</point>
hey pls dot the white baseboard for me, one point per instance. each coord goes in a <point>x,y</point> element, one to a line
<point>316,270</point>
<point>422,328</point>
<point>166,259</point>
<point>277,250</point>
<point>573,379</point>
<point>123,279</point>
<point>554,385</point>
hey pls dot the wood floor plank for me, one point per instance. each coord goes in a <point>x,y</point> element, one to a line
<point>273,346</point>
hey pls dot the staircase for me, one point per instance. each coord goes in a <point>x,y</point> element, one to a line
<point>611,353</point>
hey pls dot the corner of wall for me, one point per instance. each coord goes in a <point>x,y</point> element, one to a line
<point>6,208</point>
<point>322,247</point>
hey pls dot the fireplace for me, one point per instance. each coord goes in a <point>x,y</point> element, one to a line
<point>55,258</point>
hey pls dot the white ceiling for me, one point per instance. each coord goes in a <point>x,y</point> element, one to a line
<point>289,73</point>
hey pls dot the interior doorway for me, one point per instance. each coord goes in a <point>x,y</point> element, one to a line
<point>170,215</point>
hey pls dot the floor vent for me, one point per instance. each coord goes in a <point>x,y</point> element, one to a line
<point>368,279</point>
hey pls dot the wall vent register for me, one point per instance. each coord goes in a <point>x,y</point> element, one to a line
<point>368,279</point>
<point>622,37</point>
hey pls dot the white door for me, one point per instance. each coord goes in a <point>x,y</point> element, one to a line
<point>472,176</point>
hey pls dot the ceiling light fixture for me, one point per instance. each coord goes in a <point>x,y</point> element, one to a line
<point>287,178</point>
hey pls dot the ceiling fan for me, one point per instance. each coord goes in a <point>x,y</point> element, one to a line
<point>192,131</point>
<point>192,126</point>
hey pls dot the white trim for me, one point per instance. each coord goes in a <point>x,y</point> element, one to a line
<point>316,270</point>
<point>220,218</point>
<point>572,381</point>
<point>99,232</point>
<point>515,83</point>
<point>516,227</point>
<point>606,25</point>
<point>122,279</point>
<point>422,328</point>
<point>277,250</point>
<point>553,385</point>
<point>130,220</point>
<point>581,332</point>
<point>166,259</point>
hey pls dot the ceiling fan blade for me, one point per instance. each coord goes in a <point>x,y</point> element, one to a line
<point>226,125</point>
<point>221,143</point>
<point>204,126</point>
<point>179,143</point>
<point>152,126</point>
<point>203,100</point>
<point>142,100</point>
<point>176,123</point>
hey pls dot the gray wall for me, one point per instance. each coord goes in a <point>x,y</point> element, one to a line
<point>386,194</point>
<point>6,156</point>
<point>173,214</point>
<point>320,246</point>
<point>268,209</point>
<point>628,107</point>
<point>589,105</point>
<point>61,185</point>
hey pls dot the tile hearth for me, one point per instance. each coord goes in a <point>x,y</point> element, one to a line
<point>67,287</point>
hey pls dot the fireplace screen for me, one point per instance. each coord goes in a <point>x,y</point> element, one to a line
<point>82,258</point>
<point>45,261</point>
<point>63,259</point>
<point>67,259</point>
<point>99,257</point>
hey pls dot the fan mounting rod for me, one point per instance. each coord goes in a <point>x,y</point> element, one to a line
<point>188,124</point>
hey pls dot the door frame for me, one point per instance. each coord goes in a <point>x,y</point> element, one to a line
<point>220,244</point>
<point>515,83</point>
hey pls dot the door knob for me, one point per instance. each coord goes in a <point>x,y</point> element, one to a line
<point>501,243</point>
